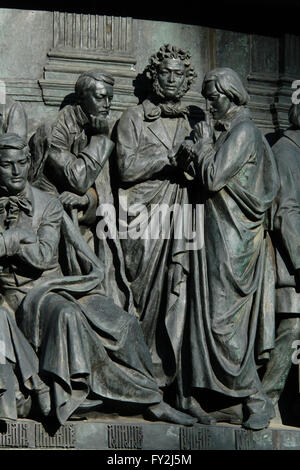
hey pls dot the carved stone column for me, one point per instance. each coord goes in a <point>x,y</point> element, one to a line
<point>82,42</point>
<point>263,80</point>
<point>289,48</point>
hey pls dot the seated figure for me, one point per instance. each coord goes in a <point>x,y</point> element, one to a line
<point>19,380</point>
<point>70,159</point>
<point>91,352</point>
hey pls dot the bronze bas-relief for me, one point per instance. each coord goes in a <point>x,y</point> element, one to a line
<point>145,323</point>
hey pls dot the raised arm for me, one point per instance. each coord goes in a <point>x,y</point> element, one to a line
<point>76,173</point>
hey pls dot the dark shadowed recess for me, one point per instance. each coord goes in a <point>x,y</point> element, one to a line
<point>264,17</point>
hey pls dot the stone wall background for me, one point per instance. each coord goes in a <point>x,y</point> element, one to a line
<point>43,52</point>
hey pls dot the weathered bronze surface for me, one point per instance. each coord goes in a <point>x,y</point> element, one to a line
<point>149,239</point>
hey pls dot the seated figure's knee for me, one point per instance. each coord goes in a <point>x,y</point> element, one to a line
<point>68,313</point>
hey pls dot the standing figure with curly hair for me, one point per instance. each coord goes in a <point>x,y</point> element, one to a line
<point>154,192</point>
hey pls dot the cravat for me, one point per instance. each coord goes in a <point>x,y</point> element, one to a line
<point>13,205</point>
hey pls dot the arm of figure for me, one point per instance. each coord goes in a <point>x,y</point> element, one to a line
<point>137,162</point>
<point>76,173</point>
<point>87,203</point>
<point>41,252</point>
<point>215,169</point>
<point>11,239</point>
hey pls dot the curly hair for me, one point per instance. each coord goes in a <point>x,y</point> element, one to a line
<point>167,51</point>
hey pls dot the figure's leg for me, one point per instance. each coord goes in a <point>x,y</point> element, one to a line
<point>260,410</point>
<point>280,362</point>
<point>63,354</point>
<point>18,356</point>
<point>79,367</point>
<point>184,399</point>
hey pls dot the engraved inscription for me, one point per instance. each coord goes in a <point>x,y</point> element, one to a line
<point>195,439</point>
<point>244,440</point>
<point>63,438</point>
<point>15,435</point>
<point>124,436</point>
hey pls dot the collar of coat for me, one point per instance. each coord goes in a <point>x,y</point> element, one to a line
<point>153,112</point>
<point>294,135</point>
<point>233,117</point>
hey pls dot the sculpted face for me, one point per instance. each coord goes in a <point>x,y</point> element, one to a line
<point>97,100</point>
<point>219,104</point>
<point>14,167</point>
<point>171,76</point>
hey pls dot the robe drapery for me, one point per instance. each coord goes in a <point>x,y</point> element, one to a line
<point>19,366</point>
<point>88,347</point>
<point>232,287</point>
<point>156,260</point>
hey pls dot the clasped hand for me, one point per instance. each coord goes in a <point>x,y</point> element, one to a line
<point>203,130</point>
<point>71,200</point>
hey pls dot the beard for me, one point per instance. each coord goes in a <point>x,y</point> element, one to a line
<point>159,92</point>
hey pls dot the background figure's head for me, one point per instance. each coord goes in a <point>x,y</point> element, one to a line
<point>14,164</point>
<point>170,72</point>
<point>224,90</point>
<point>294,116</point>
<point>94,92</point>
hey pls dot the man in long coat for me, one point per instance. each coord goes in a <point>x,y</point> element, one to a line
<point>232,287</point>
<point>286,239</point>
<point>156,255</point>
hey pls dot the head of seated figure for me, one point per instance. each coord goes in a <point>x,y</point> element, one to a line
<point>171,73</point>
<point>14,164</point>
<point>94,93</point>
<point>224,91</point>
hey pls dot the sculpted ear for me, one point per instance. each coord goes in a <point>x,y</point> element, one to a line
<point>17,121</point>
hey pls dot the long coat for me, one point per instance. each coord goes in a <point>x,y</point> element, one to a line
<point>156,260</point>
<point>232,291</point>
<point>287,221</point>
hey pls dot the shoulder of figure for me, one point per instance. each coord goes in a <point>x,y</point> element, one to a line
<point>285,150</point>
<point>45,199</point>
<point>247,128</point>
<point>133,112</point>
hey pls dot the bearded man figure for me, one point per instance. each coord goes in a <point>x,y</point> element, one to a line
<point>157,264</point>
